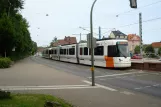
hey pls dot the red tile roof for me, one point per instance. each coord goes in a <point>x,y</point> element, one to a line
<point>65,41</point>
<point>156,44</point>
<point>133,37</point>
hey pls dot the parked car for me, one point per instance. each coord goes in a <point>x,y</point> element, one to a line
<point>136,56</point>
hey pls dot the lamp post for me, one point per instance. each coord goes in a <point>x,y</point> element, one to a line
<point>92,49</point>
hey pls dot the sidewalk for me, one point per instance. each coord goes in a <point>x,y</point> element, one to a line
<point>27,76</point>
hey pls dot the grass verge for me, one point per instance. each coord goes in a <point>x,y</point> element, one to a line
<point>31,100</point>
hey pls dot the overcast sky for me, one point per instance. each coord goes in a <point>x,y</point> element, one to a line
<point>65,17</point>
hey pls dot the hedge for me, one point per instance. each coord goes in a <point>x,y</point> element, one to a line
<point>5,62</point>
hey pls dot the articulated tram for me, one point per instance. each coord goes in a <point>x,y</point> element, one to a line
<point>108,53</point>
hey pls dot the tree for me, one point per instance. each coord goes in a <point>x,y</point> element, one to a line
<point>34,47</point>
<point>7,34</point>
<point>83,41</point>
<point>14,31</point>
<point>137,49</point>
<point>159,51</point>
<point>149,49</point>
<point>53,41</point>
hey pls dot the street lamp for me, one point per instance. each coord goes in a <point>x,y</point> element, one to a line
<point>92,49</point>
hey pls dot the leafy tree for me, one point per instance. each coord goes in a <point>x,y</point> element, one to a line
<point>159,51</point>
<point>137,49</point>
<point>11,7</point>
<point>6,34</point>
<point>53,41</point>
<point>34,47</point>
<point>83,41</point>
<point>149,49</point>
<point>14,30</point>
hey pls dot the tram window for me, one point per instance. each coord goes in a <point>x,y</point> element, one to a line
<point>112,51</point>
<point>65,52</point>
<point>85,51</point>
<point>81,51</point>
<point>61,51</point>
<point>72,51</point>
<point>99,51</point>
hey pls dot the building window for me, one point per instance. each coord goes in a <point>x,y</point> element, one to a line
<point>85,51</point>
<point>99,51</point>
<point>72,51</point>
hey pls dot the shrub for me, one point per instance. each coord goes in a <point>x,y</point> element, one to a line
<point>4,95</point>
<point>5,62</point>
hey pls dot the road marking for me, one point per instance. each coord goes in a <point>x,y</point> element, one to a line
<point>101,86</point>
<point>127,93</point>
<point>147,86</point>
<point>16,88</point>
<point>156,85</point>
<point>138,88</point>
<point>102,79</point>
<point>113,75</point>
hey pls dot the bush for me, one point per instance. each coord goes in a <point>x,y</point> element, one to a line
<point>4,95</point>
<point>5,62</point>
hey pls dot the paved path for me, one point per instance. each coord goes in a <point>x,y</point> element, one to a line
<point>32,75</point>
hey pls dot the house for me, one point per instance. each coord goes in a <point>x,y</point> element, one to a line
<point>156,46</point>
<point>133,41</point>
<point>117,35</point>
<point>65,41</point>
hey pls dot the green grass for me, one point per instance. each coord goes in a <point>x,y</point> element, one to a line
<point>31,100</point>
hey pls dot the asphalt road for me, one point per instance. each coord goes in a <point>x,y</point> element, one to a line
<point>148,83</point>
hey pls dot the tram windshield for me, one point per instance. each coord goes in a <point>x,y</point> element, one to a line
<point>123,49</point>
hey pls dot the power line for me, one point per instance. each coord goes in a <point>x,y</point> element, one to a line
<point>139,8</point>
<point>138,22</point>
<point>158,18</point>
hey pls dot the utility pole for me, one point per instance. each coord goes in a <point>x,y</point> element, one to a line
<point>80,36</point>
<point>92,49</point>
<point>140,33</point>
<point>100,32</point>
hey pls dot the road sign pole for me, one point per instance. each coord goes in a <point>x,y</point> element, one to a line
<point>92,49</point>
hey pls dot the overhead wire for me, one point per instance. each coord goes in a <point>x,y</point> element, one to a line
<point>139,8</point>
